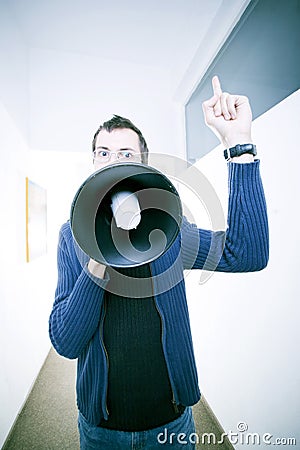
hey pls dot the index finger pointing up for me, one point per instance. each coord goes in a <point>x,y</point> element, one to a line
<point>216,86</point>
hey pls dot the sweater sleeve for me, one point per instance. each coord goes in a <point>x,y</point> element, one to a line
<point>244,246</point>
<point>78,298</point>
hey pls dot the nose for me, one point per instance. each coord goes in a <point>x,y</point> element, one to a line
<point>114,157</point>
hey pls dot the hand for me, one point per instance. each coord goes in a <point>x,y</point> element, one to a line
<point>96,269</point>
<point>229,116</point>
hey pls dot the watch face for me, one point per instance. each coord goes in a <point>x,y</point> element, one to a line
<point>246,148</point>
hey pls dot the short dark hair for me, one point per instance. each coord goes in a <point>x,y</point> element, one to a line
<point>118,122</point>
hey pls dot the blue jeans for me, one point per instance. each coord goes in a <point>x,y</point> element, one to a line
<point>179,434</point>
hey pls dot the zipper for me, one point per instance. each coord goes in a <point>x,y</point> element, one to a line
<point>175,406</point>
<point>106,353</point>
<point>174,403</point>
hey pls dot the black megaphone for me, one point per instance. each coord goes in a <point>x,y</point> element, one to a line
<point>126,215</point>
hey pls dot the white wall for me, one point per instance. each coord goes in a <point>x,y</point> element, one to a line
<point>245,326</point>
<point>23,288</point>
<point>14,73</point>
<point>77,92</point>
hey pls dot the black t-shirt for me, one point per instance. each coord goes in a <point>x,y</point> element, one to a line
<point>139,393</point>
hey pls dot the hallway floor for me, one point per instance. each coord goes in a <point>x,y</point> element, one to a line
<point>48,420</point>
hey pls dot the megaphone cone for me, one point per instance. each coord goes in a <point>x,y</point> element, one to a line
<point>126,215</point>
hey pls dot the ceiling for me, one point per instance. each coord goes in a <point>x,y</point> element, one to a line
<point>162,32</point>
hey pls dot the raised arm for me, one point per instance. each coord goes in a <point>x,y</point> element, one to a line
<point>245,244</point>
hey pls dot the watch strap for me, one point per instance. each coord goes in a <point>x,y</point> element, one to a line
<point>239,150</point>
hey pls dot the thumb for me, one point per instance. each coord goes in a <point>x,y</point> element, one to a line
<point>210,103</point>
<point>208,109</point>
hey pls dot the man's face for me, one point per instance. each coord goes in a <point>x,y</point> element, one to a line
<point>121,145</point>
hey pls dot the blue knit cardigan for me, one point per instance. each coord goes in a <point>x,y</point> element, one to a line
<point>76,320</point>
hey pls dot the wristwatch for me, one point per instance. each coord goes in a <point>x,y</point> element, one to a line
<point>239,150</point>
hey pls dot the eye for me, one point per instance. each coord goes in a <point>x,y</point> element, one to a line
<point>103,154</point>
<point>127,155</point>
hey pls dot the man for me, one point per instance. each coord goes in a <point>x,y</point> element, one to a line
<point>136,375</point>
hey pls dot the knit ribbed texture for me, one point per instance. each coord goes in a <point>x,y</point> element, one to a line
<point>244,246</point>
<point>76,322</point>
<point>139,392</point>
<point>76,309</point>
